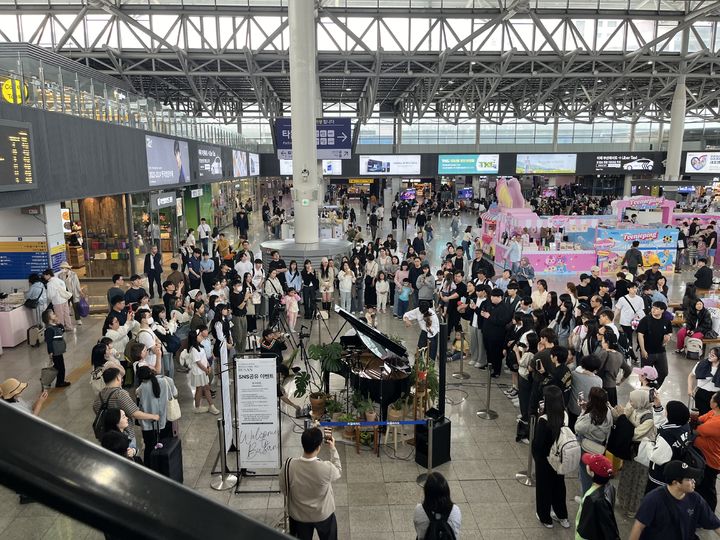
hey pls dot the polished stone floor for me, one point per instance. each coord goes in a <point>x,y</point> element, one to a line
<point>376,496</point>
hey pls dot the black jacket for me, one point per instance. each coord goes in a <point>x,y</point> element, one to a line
<point>157,262</point>
<point>703,278</point>
<point>597,518</point>
<point>699,321</point>
<point>495,326</point>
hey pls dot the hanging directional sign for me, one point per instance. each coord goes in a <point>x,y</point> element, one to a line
<point>333,138</point>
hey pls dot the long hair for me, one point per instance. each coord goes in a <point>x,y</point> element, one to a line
<point>111,419</point>
<point>554,410</point>
<point>97,357</point>
<point>539,319</point>
<point>597,405</point>
<point>192,341</point>
<point>107,323</point>
<point>144,373</point>
<point>565,320</point>
<point>436,495</point>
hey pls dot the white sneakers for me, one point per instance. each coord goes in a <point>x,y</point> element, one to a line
<point>213,409</point>
<point>200,410</point>
<point>564,523</point>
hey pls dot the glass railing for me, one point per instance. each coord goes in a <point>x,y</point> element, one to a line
<point>33,83</point>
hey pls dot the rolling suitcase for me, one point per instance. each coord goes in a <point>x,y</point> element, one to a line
<point>35,335</point>
<point>167,460</point>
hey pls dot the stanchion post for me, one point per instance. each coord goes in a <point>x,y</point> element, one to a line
<point>461,374</point>
<point>526,477</point>
<point>226,480</point>
<point>422,477</point>
<point>487,413</point>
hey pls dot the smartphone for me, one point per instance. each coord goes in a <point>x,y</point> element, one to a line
<point>541,407</point>
<point>538,364</point>
<point>652,395</point>
<point>328,433</point>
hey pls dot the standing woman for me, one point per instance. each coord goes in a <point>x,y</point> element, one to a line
<point>346,279</point>
<point>358,300</point>
<point>401,274</point>
<point>200,370</point>
<point>551,306</point>
<point>390,268</point>
<point>593,428</point>
<point>309,288</point>
<point>436,504</point>
<point>371,272</point>
<point>273,291</point>
<point>153,394</point>
<point>239,300</point>
<point>292,276</point>
<point>549,485</point>
<point>190,240</point>
<point>564,324</point>
<point>248,288</point>
<point>704,380</point>
<point>466,241</point>
<point>327,283</point>
<point>221,333</point>
<point>540,294</point>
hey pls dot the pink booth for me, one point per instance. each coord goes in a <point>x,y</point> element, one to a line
<point>643,202</point>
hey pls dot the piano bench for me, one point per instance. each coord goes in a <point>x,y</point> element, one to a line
<point>376,438</point>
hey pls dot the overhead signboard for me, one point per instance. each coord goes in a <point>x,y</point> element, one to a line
<point>387,165</point>
<point>702,162</point>
<point>209,162</point>
<point>162,200</point>
<point>253,164</point>
<point>195,193</point>
<point>240,167</point>
<point>330,167</point>
<point>545,163</point>
<point>22,256</point>
<point>468,163</point>
<point>168,161</point>
<point>333,138</point>
<point>16,156</point>
<point>620,163</point>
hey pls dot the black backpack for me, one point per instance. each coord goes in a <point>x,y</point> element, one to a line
<point>439,528</point>
<point>99,422</point>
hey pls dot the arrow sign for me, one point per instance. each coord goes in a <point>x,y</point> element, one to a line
<point>333,138</point>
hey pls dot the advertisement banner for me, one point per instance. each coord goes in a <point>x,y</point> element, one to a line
<point>382,165</point>
<point>468,163</point>
<point>545,163</point>
<point>330,167</point>
<point>168,161</point>
<point>702,162</point>
<point>253,164</point>
<point>209,162</point>
<point>656,245</point>
<point>16,163</point>
<point>240,168</point>
<point>624,163</point>
<point>258,426</point>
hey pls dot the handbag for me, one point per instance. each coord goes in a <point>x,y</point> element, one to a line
<point>620,440</point>
<point>173,406</point>
<point>83,307</point>
<point>96,381</point>
<point>48,376</point>
<point>58,346</point>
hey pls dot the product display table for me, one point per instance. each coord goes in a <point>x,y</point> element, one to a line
<point>14,323</point>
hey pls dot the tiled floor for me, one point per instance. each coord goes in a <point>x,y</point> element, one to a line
<point>375,497</point>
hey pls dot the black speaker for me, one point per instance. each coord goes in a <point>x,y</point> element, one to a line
<point>441,443</point>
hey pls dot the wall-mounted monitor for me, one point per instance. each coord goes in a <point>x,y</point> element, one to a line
<point>389,165</point>
<point>240,167</point>
<point>16,156</point>
<point>330,167</point>
<point>465,193</point>
<point>210,166</point>
<point>702,162</point>
<point>468,163</point>
<point>253,164</point>
<point>168,161</point>
<point>545,163</point>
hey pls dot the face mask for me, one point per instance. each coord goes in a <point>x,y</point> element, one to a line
<point>151,320</point>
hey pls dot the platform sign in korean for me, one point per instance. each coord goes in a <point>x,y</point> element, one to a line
<point>545,163</point>
<point>258,424</point>
<point>468,163</point>
<point>333,137</point>
<point>702,162</point>
<point>22,256</point>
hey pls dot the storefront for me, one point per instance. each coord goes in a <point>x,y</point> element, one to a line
<point>159,219</point>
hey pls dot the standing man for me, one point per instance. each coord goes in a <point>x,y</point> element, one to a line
<point>629,309</point>
<point>58,296</point>
<point>194,270</point>
<point>152,267</point>
<point>514,254</point>
<point>429,325</point>
<point>117,288</point>
<point>633,258</point>
<point>306,483</point>
<point>674,511</point>
<point>496,315</point>
<point>654,332</point>
<point>135,292</point>
<point>711,241</point>
<point>277,264</point>
<point>203,231</point>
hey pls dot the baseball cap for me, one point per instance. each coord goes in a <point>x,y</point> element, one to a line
<point>678,470</point>
<point>599,464</point>
<point>584,276</point>
<point>649,372</point>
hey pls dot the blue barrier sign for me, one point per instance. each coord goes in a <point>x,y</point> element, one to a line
<point>333,138</point>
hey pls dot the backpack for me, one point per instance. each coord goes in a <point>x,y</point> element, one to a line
<point>691,455</point>
<point>564,455</point>
<point>99,422</point>
<point>439,528</point>
<point>693,348</point>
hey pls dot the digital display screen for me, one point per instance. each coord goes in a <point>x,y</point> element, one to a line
<point>389,164</point>
<point>253,164</point>
<point>209,162</point>
<point>702,162</point>
<point>545,163</point>
<point>16,162</point>
<point>168,161</point>
<point>408,195</point>
<point>240,169</point>
<point>330,167</point>
<point>468,163</point>
<point>465,193</point>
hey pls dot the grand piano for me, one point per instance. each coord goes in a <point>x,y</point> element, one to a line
<point>377,366</point>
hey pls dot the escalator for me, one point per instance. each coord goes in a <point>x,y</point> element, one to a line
<point>106,492</point>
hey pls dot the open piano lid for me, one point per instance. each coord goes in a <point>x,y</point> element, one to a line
<point>379,345</point>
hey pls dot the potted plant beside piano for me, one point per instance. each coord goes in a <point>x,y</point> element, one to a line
<point>329,357</point>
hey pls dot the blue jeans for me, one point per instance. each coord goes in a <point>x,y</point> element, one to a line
<point>346,300</point>
<point>402,307</point>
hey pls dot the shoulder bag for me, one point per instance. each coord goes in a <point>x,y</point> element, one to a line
<point>173,406</point>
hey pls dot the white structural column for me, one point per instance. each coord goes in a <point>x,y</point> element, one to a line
<point>677,128</point>
<point>627,187</point>
<point>556,129</point>
<point>303,89</point>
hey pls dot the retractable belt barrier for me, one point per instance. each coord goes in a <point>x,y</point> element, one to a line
<point>376,423</point>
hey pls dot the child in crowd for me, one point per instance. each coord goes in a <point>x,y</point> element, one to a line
<point>404,298</point>
<point>55,341</point>
<point>692,253</point>
<point>290,301</point>
<point>461,347</point>
<point>701,249</point>
<point>382,288</point>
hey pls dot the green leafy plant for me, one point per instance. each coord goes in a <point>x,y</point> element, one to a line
<point>329,356</point>
<point>333,406</point>
<point>303,383</point>
<point>399,403</point>
<point>347,418</point>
